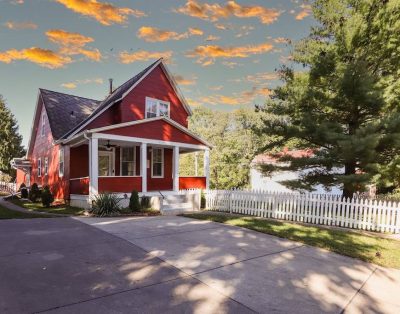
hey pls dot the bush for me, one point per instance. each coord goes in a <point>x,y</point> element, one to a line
<point>24,191</point>
<point>106,204</point>
<point>134,204</point>
<point>34,193</point>
<point>202,200</point>
<point>145,202</point>
<point>47,197</point>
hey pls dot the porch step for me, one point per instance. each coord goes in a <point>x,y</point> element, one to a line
<point>176,209</point>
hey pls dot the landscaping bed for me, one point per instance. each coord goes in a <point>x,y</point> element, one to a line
<point>6,213</point>
<point>60,209</point>
<point>368,248</point>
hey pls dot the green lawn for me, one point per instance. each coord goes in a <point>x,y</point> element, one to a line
<point>59,209</point>
<point>353,244</point>
<point>6,213</point>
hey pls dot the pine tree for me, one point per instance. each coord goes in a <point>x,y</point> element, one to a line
<point>10,139</point>
<point>345,102</point>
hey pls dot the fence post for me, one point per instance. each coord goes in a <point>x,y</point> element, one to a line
<point>230,201</point>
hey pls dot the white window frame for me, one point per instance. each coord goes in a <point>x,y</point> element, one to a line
<point>39,167</point>
<point>42,128</point>
<point>46,166</point>
<point>158,102</point>
<point>162,162</point>
<point>121,161</point>
<point>61,162</point>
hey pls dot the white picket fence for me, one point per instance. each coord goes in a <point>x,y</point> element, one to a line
<point>331,210</point>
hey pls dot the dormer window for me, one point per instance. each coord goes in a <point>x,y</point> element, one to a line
<point>42,129</point>
<point>156,108</point>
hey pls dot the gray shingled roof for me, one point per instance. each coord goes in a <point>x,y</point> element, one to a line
<point>66,111</point>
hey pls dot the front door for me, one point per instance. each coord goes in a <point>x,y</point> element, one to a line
<point>105,164</point>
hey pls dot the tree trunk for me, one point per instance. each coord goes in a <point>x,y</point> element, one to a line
<point>349,187</point>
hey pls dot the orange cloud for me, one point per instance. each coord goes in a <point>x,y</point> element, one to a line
<point>126,57</point>
<point>153,34</point>
<point>243,98</point>
<point>104,13</point>
<point>20,25</point>
<point>281,40</point>
<point>73,43</point>
<point>262,77</point>
<point>184,81</point>
<point>306,11</point>
<point>72,85</point>
<point>206,55</point>
<point>214,12</point>
<point>43,57</point>
<point>212,38</point>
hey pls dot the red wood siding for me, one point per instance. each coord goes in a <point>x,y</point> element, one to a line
<point>79,186</point>
<point>120,184</point>
<point>132,107</point>
<point>192,183</point>
<point>156,130</point>
<point>20,178</point>
<point>43,147</point>
<point>79,161</point>
<point>165,183</point>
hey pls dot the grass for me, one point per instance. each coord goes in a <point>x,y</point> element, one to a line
<point>6,213</point>
<point>348,243</point>
<point>58,209</point>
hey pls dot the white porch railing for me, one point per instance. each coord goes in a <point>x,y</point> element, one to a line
<point>330,210</point>
<point>9,187</point>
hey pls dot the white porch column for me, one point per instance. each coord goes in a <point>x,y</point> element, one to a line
<point>93,167</point>
<point>207,167</point>
<point>143,166</point>
<point>175,167</point>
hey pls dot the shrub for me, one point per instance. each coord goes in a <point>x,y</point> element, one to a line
<point>202,200</point>
<point>134,204</point>
<point>34,193</point>
<point>24,191</point>
<point>47,197</point>
<point>106,204</point>
<point>145,202</point>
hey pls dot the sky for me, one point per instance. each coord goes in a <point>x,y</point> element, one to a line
<point>223,54</point>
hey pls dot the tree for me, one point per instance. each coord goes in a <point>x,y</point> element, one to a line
<point>10,139</point>
<point>345,103</point>
<point>234,145</point>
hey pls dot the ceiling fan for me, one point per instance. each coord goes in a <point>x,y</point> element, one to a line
<point>109,146</point>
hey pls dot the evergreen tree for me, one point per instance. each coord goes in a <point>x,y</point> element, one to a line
<point>345,102</point>
<point>10,139</point>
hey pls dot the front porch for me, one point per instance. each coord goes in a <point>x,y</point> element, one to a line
<point>120,164</point>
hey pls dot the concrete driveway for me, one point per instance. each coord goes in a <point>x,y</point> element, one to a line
<point>175,264</point>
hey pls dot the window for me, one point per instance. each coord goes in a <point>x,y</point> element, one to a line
<point>157,163</point>
<point>61,162</point>
<point>156,108</point>
<point>128,161</point>
<point>43,124</point>
<point>39,170</point>
<point>46,166</point>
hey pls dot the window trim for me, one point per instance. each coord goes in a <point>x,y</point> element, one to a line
<point>162,162</point>
<point>46,166</point>
<point>42,129</point>
<point>158,102</point>
<point>134,161</point>
<point>61,154</point>
<point>39,167</point>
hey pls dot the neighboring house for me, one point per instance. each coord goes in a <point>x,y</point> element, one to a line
<point>273,182</point>
<point>129,141</point>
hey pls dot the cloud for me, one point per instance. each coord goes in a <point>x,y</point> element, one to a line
<point>184,81</point>
<point>243,98</point>
<point>43,57</point>
<point>142,55</point>
<point>216,88</point>
<point>220,99</point>
<point>261,77</point>
<point>74,84</point>
<point>153,34</point>
<point>20,25</point>
<point>214,12</point>
<point>212,38</point>
<point>281,40</point>
<point>105,13</point>
<point>73,43</point>
<point>231,65</point>
<point>244,31</point>
<point>306,11</point>
<point>206,55</point>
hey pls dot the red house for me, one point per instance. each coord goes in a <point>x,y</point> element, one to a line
<point>129,141</point>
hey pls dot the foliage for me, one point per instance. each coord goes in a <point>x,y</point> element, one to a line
<point>345,103</point>
<point>10,139</point>
<point>134,203</point>
<point>106,204</point>
<point>357,245</point>
<point>47,197</point>
<point>34,193</point>
<point>24,191</point>
<point>234,145</point>
<point>145,202</point>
